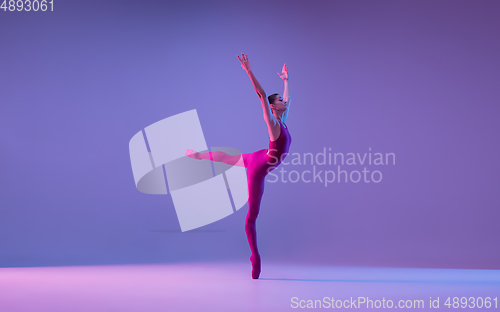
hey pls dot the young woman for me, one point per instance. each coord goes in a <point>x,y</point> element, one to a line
<point>261,162</point>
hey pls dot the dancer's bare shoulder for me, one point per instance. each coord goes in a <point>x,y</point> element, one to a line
<point>274,128</point>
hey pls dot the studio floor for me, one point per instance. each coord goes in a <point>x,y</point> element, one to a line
<point>229,287</point>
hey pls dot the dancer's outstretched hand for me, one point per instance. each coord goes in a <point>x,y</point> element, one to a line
<point>284,73</point>
<point>245,63</point>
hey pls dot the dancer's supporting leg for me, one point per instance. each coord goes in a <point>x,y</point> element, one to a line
<point>256,172</point>
<point>235,160</point>
<point>255,191</point>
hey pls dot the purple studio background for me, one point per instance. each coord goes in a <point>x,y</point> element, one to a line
<point>415,78</point>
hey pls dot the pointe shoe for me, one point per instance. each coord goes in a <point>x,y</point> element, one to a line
<point>192,154</point>
<point>255,266</point>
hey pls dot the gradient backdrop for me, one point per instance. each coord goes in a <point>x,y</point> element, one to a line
<point>416,78</point>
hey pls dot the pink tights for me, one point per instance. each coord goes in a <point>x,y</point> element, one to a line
<point>258,166</point>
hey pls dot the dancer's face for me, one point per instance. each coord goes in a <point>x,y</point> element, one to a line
<point>278,104</point>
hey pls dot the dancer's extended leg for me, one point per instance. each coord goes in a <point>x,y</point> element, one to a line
<point>235,160</point>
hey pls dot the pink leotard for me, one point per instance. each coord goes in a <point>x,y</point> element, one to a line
<point>263,161</point>
<point>258,165</point>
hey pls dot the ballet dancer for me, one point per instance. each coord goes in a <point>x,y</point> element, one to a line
<point>258,164</point>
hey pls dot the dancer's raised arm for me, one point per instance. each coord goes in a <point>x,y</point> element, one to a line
<point>245,63</point>
<point>286,92</point>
